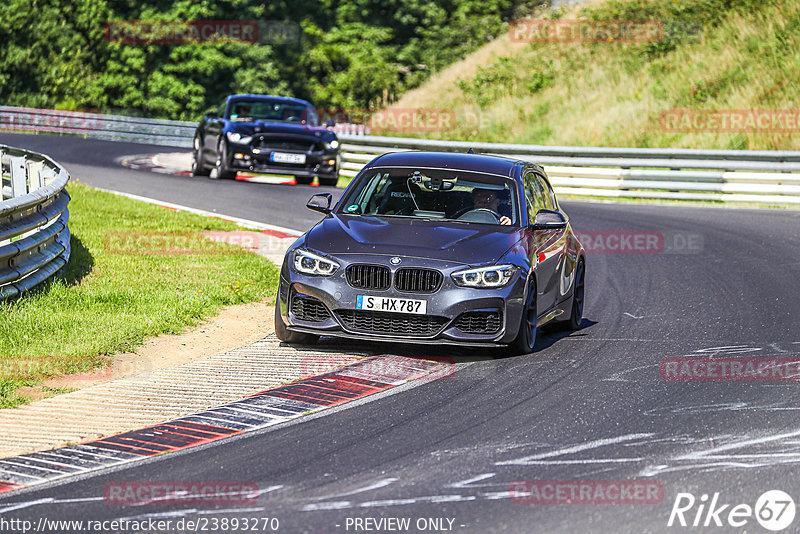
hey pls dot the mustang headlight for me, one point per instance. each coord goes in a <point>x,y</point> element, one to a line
<point>332,144</point>
<point>313,264</point>
<point>494,276</point>
<point>239,139</point>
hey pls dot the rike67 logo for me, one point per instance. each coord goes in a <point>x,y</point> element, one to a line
<point>774,510</point>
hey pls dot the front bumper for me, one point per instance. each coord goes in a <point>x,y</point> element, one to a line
<point>250,158</point>
<point>444,321</point>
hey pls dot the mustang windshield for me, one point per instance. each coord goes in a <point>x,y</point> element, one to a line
<point>433,194</point>
<point>272,111</point>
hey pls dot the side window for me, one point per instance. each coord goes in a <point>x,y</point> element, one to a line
<point>533,196</point>
<point>547,193</point>
<point>311,117</point>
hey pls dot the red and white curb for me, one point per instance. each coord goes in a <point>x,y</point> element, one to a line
<point>180,163</point>
<point>271,407</point>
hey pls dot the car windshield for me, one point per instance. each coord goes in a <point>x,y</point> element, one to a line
<point>272,111</point>
<point>446,194</point>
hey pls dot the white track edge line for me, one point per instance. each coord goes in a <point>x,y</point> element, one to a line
<point>247,223</point>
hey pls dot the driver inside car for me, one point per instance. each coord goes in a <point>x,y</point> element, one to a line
<point>488,199</point>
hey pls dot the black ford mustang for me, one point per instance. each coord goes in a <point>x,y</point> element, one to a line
<point>435,248</point>
<point>267,134</point>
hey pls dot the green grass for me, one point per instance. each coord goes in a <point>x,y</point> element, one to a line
<point>716,55</point>
<point>105,302</point>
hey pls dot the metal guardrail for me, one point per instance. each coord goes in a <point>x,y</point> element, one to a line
<point>98,126</point>
<point>679,174</point>
<point>759,176</point>
<point>34,236</point>
<point>112,127</point>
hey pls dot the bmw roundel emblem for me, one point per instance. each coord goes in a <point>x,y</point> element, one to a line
<point>395,260</point>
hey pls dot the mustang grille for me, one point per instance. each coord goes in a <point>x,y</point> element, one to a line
<point>391,323</point>
<point>364,276</point>
<point>479,322</point>
<point>309,309</point>
<point>287,145</point>
<point>417,280</point>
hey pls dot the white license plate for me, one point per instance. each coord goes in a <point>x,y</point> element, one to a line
<point>390,304</point>
<point>283,157</point>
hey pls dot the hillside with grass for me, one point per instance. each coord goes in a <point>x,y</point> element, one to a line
<point>715,55</point>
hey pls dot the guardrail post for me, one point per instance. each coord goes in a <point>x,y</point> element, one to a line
<point>48,175</point>
<point>3,195</point>
<point>35,178</point>
<point>19,177</point>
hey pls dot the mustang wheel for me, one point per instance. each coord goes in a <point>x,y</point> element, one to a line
<point>223,172</point>
<point>526,337</point>
<point>284,334</point>
<point>199,167</point>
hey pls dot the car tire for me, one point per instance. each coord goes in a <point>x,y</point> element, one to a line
<point>526,336</point>
<point>576,311</point>
<point>223,172</point>
<point>303,180</point>
<point>286,335</point>
<point>199,167</point>
<point>330,181</point>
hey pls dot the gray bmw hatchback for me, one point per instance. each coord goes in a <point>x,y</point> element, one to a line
<point>427,247</point>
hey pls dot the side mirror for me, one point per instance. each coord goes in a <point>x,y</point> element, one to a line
<point>212,115</point>
<point>320,202</point>
<point>548,220</point>
<point>330,124</point>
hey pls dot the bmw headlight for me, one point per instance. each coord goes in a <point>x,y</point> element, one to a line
<point>333,144</point>
<point>239,139</point>
<point>313,264</point>
<point>494,276</point>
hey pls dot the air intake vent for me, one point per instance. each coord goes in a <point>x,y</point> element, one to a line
<point>309,309</point>
<point>392,324</point>
<point>479,322</point>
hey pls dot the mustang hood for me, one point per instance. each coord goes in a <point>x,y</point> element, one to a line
<point>266,127</point>
<point>471,244</point>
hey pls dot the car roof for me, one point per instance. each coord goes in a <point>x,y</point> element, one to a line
<point>451,160</point>
<point>270,97</point>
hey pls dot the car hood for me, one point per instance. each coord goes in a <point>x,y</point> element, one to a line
<point>467,243</point>
<point>266,127</point>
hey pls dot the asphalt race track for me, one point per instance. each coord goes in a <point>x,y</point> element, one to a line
<point>589,406</point>
<point>96,163</point>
